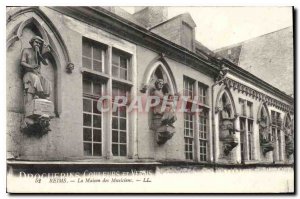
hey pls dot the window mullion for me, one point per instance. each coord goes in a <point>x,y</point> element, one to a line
<point>108,114</point>
<point>196,127</point>
<point>92,56</point>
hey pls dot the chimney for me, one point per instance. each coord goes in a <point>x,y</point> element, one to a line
<point>151,16</point>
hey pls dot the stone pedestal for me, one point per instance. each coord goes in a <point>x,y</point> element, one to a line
<point>39,107</point>
<point>38,114</point>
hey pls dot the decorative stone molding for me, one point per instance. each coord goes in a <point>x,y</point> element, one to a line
<point>229,83</point>
<point>38,114</point>
<point>267,147</point>
<point>230,142</point>
<point>70,67</point>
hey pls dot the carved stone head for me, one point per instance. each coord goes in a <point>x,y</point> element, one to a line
<point>36,42</point>
<point>159,84</point>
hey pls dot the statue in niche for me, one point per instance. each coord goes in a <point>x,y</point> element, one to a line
<point>265,142</point>
<point>227,126</point>
<point>162,120</point>
<point>289,139</point>
<point>37,89</point>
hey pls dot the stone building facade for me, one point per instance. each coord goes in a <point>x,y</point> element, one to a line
<point>96,51</point>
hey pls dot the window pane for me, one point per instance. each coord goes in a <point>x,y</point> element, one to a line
<point>97,121</point>
<point>115,71</point>
<point>122,111</point>
<point>115,92</point>
<point>122,124</point>
<point>97,66</point>
<point>87,134</point>
<point>190,147</point>
<point>87,63</point>
<point>122,92</point>
<point>87,147</point>
<point>186,124</point>
<point>123,150</point>
<point>122,137</point>
<point>123,62</point>
<point>123,73</point>
<point>191,125</point>
<point>186,132</point>
<point>87,86</point>
<point>87,105</point>
<point>97,88</point>
<point>97,53</point>
<point>95,109</point>
<point>115,113</point>
<point>115,59</point>
<point>115,123</point>
<point>87,120</point>
<point>86,49</point>
<point>97,149</point>
<point>115,150</point>
<point>97,135</point>
<point>115,136</point>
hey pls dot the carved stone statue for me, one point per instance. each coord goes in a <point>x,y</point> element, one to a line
<point>162,120</point>
<point>266,144</point>
<point>227,127</point>
<point>289,138</point>
<point>35,85</point>
<point>37,89</point>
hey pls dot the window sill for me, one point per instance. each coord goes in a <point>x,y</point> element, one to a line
<point>122,81</point>
<point>94,73</point>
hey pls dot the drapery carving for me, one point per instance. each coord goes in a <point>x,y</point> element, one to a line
<point>159,83</point>
<point>227,120</point>
<point>288,130</point>
<point>37,89</point>
<point>263,121</point>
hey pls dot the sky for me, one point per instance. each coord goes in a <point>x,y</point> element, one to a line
<point>218,27</point>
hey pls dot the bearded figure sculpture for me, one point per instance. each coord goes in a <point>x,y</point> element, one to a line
<point>37,89</point>
<point>162,118</point>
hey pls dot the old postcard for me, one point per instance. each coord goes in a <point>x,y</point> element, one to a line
<point>150,99</point>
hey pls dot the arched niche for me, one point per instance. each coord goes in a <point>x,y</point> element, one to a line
<point>226,110</point>
<point>265,136</point>
<point>37,24</point>
<point>288,129</point>
<point>160,121</point>
<point>263,116</point>
<point>159,68</point>
<point>225,97</point>
<point>288,121</point>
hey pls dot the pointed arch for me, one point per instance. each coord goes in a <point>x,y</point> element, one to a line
<point>263,108</point>
<point>58,54</point>
<point>33,21</point>
<point>287,120</point>
<point>225,94</point>
<point>156,66</point>
<point>16,34</point>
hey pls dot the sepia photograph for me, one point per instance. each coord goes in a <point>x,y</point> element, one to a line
<point>150,99</point>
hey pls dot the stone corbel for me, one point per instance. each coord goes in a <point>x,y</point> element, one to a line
<point>144,88</point>
<point>38,114</point>
<point>70,67</point>
<point>267,147</point>
<point>230,142</point>
<point>217,110</point>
